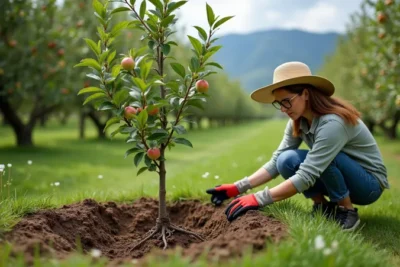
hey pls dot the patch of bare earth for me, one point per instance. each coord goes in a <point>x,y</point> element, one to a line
<point>115,228</point>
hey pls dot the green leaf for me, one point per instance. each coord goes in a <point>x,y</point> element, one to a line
<point>111,57</point>
<point>94,96</point>
<point>90,90</point>
<point>147,160</point>
<point>174,5</point>
<point>196,103</point>
<point>157,4</point>
<point>165,49</point>
<point>221,21</point>
<point>194,64</point>
<point>120,9</point>
<point>92,45</point>
<point>103,56</point>
<point>202,33</point>
<point>157,136</point>
<point>210,15</point>
<point>110,122</point>
<point>183,141</point>
<point>142,11</point>
<point>89,62</point>
<point>142,119</point>
<point>132,150</point>
<point>141,170</point>
<point>120,97</point>
<point>179,69</point>
<point>179,129</point>
<point>106,106</point>
<point>115,70</point>
<point>99,8</point>
<point>196,44</point>
<point>140,83</point>
<point>165,22</point>
<point>138,158</point>
<point>215,64</point>
<point>145,68</point>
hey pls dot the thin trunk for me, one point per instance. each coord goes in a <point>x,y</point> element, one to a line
<point>99,125</point>
<point>162,208</point>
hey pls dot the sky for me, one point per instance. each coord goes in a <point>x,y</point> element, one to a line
<point>255,15</point>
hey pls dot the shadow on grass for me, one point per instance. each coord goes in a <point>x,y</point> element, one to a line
<point>383,231</point>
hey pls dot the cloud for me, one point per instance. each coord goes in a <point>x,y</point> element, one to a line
<point>256,15</point>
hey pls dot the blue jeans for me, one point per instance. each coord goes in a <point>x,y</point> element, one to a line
<point>343,177</point>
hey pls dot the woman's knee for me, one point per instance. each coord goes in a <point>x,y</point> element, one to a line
<point>287,163</point>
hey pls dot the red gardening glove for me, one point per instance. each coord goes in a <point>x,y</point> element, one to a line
<point>222,192</point>
<point>240,205</point>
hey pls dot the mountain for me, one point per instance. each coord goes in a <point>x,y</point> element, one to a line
<point>252,58</point>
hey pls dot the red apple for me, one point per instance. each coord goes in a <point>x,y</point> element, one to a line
<point>153,153</point>
<point>60,52</point>
<point>153,111</point>
<point>381,17</point>
<point>130,112</point>
<point>12,43</point>
<point>51,45</point>
<point>127,63</point>
<point>202,86</point>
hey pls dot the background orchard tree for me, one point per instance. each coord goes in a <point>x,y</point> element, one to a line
<point>366,64</point>
<point>148,106</point>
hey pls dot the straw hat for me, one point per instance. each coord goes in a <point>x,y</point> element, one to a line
<point>292,73</point>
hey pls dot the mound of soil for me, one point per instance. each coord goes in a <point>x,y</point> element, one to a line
<point>113,229</point>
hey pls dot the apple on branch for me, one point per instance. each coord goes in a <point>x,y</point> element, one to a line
<point>130,112</point>
<point>153,153</point>
<point>127,63</point>
<point>202,86</point>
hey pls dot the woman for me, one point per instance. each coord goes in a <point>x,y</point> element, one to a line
<point>343,162</point>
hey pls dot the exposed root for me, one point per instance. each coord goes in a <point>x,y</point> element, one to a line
<point>165,230</point>
<point>177,228</point>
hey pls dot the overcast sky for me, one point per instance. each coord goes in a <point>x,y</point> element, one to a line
<point>256,15</point>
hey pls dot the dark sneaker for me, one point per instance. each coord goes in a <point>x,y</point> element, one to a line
<point>326,209</point>
<point>347,219</point>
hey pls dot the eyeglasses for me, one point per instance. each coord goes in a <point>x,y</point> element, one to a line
<point>286,103</point>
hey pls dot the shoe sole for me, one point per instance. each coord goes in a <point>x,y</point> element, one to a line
<point>352,228</point>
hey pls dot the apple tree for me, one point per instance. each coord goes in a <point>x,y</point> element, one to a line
<point>148,106</point>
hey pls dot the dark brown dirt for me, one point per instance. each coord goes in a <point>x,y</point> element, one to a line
<point>113,229</point>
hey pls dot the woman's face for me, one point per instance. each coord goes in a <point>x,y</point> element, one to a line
<point>294,105</point>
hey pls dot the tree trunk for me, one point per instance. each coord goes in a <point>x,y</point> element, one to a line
<point>24,136</point>
<point>99,125</point>
<point>391,131</point>
<point>162,207</point>
<point>43,120</point>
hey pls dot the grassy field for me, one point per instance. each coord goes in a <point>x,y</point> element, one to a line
<point>65,169</point>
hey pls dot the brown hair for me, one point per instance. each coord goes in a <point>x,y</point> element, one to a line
<point>321,104</point>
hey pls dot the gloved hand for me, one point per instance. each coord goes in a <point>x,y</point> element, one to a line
<point>222,192</point>
<point>241,205</point>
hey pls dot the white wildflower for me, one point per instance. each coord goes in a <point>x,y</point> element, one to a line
<point>327,251</point>
<point>57,183</point>
<point>29,162</point>
<point>2,167</point>
<point>52,184</point>
<point>216,177</point>
<point>260,158</point>
<point>100,176</point>
<point>134,261</point>
<point>319,242</point>
<point>205,175</point>
<point>9,165</point>
<point>335,245</point>
<point>95,253</point>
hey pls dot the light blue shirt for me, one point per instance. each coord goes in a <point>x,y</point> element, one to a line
<point>327,136</point>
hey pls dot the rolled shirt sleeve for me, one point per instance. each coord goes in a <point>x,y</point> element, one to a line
<point>330,138</point>
<point>288,142</point>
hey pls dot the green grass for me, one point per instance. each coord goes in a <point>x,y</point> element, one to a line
<point>228,153</point>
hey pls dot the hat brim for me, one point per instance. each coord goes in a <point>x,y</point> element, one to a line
<point>264,94</point>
